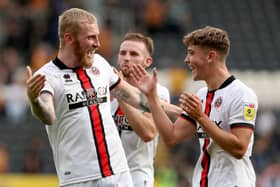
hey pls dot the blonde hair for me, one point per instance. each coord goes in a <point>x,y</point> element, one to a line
<point>70,21</point>
<point>138,37</point>
<point>209,37</point>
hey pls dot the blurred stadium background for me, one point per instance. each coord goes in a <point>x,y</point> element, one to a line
<point>28,35</point>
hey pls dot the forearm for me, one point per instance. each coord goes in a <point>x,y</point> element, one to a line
<point>135,98</point>
<point>142,125</point>
<point>42,110</point>
<point>226,140</point>
<point>163,123</point>
<point>171,110</point>
<point>131,95</point>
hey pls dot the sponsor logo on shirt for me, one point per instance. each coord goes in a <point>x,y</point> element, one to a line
<point>201,134</point>
<point>120,119</point>
<point>87,98</point>
<point>67,78</point>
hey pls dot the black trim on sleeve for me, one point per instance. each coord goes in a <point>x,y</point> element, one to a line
<point>242,125</point>
<point>46,91</point>
<point>114,85</point>
<point>188,118</point>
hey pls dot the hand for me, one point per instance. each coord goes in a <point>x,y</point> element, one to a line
<point>34,84</point>
<point>191,104</point>
<point>143,81</point>
<point>119,73</point>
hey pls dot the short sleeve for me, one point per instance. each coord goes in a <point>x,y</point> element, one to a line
<point>243,109</point>
<point>114,79</point>
<point>186,117</point>
<point>163,93</point>
<point>49,84</point>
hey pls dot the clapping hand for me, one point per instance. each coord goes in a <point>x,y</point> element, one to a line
<point>144,81</point>
<point>191,104</point>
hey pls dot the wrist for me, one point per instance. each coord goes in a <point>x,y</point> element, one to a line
<point>152,94</point>
<point>201,119</point>
<point>34,101</point>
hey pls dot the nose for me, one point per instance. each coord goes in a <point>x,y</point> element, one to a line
<point>125,56</point>
<point>96,43</point>
<point>187,59</point>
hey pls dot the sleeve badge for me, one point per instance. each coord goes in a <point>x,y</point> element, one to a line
<point>249,111</point>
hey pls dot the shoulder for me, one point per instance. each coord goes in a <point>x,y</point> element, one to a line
<point>241,89</point>
<point>202,91</point>
<point>162,88</point>
<point>47,69</point>
<point>101,62</point>
<point>99,59</point>
<point>163,92</point>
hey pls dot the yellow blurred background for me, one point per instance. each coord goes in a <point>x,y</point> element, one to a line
<point>19,180</point>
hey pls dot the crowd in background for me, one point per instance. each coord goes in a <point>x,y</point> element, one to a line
<point>28,36</point>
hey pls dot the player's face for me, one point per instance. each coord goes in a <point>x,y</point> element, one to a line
<point>132,52</point>
<point>196,59</point>
<point>86,43</point>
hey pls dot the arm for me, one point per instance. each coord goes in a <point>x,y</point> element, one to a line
<point>41,105</point>
<point>234,142</point>
<point>171,133</point>
<point>141,122</point>
<point>131,95</point>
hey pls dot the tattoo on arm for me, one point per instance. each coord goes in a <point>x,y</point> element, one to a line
<point>121,94</point>
<point>143,103</point>
<point>125,96</point>
<point>162,106</point>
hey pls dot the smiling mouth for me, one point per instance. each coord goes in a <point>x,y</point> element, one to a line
<point>91,53</point>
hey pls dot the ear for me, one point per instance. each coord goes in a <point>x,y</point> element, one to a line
<point>212,56</point>
<point>148,62</point>
<point>68,38</point>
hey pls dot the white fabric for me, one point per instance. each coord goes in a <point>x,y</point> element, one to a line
<point>234,104</point>
<point>72,136</point>
<point>140,155</point>
<point>118,180</point>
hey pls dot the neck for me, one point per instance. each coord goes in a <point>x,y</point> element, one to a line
<point>67,57</point>
<point>217,78</point>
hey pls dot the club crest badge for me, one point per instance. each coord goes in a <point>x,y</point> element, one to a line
<point>218,102</point>
<point>95,71</point>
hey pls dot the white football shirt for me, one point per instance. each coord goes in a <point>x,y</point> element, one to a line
<point>84,140</point>
<point>140,155</point>
<point>232,105</point>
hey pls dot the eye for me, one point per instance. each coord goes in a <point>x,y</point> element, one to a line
<point>122,53</point>
<point>92,37</point>
<point>133,53</point>
<point>189,52</point>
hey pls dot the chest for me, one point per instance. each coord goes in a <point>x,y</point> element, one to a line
<point>216,106</point>
<point>82,88</point>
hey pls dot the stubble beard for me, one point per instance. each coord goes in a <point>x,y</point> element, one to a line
<point>126,73</point>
